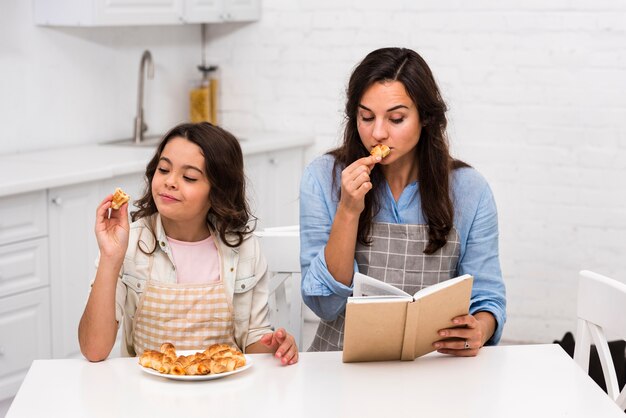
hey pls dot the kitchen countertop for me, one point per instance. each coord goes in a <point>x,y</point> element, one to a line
<point>38,170</point>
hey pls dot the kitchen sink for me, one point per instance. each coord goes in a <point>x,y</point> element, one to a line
<point>148,141</point>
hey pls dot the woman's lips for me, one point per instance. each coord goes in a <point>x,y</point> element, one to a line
<point>167,198</point>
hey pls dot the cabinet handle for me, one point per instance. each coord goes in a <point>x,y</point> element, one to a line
<point>57,201</point>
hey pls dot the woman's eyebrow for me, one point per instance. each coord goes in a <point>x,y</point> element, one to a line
<point>391,109</point>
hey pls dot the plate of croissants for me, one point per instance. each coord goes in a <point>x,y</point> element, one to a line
<point>217,361</point>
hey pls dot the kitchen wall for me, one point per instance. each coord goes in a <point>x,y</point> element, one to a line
<point>536,92</point>
<point>537,97</point>
<point>62,86</point>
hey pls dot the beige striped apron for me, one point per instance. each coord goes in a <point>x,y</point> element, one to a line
<point>397,257</point>
<point>190,316</point>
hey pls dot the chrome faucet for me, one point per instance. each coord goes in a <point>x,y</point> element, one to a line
<point>140,125</point>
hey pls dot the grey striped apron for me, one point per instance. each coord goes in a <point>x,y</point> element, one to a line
<point>397,257</point>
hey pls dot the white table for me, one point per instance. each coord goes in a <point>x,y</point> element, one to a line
<point>507,381</point>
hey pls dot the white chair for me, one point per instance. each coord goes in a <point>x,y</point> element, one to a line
<point>281,247</point>
<point>601,309</point>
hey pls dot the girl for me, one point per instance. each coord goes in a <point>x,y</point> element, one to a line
<point>187,270</point>
<point>412,219</point>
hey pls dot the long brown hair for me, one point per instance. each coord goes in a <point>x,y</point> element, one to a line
<point>229,212</point>
<point>432,154</point>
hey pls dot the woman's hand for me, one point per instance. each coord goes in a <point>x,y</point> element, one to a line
<point>472,333</point>
<point>112,232</point>
<point>283,345</point>
<point>355,183</point>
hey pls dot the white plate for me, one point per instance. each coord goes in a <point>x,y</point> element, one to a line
<point>196,377</point>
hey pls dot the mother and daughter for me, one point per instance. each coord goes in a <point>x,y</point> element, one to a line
<point>189,271</point>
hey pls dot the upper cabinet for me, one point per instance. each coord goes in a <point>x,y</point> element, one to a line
<point>143,12</point>
<point>205,11</point>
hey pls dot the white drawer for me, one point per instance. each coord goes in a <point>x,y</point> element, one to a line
<point>25,336</point>
<point>23,216</point>
<point>23,266</point>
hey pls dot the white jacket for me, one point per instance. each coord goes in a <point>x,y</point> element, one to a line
<point>244,272</point>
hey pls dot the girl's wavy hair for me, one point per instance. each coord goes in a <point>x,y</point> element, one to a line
<point>229,213</point>
<point>433,156</point>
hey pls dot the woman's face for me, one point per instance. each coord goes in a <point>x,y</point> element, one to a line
<point>180,187</point>
<point>388,116</point>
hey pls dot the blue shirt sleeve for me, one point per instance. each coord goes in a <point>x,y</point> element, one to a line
<point>320,291</point>
<point>480,258</point>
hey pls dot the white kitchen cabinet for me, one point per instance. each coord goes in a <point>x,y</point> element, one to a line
<point>273,186</point>
<point>210,11</point>
<point>73,253</point>
<point>142,12</point>
<point>24,336</point>
<point>24,287</point>
<point>23,216</point>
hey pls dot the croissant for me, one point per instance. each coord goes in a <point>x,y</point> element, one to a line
<point>215,349</point>
<point>151,359</point>
<point>168,350</point>
<point>380,150</point>
<point>218,358</point>
<point>119,198</point>
<point>199,367</point>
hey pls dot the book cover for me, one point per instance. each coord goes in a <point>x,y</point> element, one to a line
<point>385,324</point>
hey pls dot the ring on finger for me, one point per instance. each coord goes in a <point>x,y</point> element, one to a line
<point>466,346</point>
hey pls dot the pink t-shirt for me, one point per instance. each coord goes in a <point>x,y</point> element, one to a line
<point>196,262</point>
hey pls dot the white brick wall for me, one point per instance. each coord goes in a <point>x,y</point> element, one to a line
<point>537,96</point>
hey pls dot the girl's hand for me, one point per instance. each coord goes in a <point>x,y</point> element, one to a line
<point>112,232</point>
<point>355,183</point>
<point>283,345</point>
<point>466,340</point>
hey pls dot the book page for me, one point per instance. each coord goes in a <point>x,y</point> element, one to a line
<point>366,286</point>
<point>441,285</point>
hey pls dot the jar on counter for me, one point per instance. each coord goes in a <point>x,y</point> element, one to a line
<point>203,97</point>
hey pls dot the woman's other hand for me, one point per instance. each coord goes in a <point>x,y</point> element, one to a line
<point>112,231</point>
<point>469,335</point>
<point>283,345</point>
<point>355,183</point>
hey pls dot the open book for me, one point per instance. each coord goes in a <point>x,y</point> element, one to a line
<point>385,323</point>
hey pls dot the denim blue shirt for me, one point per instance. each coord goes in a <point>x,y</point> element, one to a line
<point>475,219</point>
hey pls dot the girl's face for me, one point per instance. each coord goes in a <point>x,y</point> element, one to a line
<point>388,116</point>
<point>180,187</point>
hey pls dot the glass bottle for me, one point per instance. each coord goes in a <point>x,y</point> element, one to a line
<point>203,98</point>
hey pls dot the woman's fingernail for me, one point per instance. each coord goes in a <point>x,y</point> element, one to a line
<point>443,333</point>
<point>437,345</point>
<point>279,354</point>
<point>456,321</point>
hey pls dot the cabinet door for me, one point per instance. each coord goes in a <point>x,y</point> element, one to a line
<point>203,11</point>
<point>138,12</point>
<point>24,336</point>
<point>242,10</point>
<point>23,266</point>
<point>257,185</point>
<point>273,186</point>
<point>22,217</point>
<point>285,171</point>
<point>73,250</point>
<point>107,12</point>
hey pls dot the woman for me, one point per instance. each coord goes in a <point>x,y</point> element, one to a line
<point>412,219</point>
